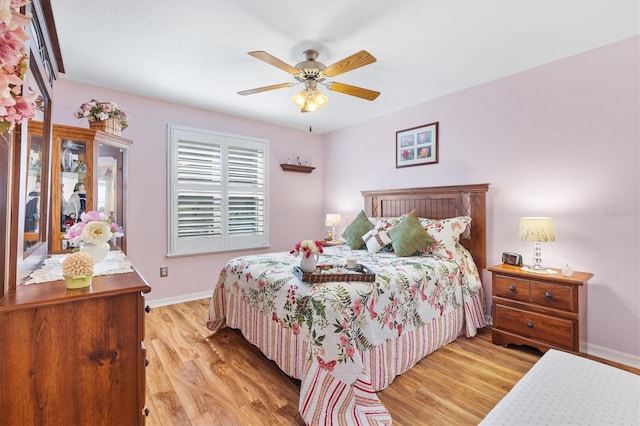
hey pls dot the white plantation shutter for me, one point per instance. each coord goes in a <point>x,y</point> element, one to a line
<point>217,192</point>
<point>246,180</point>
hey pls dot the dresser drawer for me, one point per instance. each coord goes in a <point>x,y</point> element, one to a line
<point>555,296</point>
<point>554,330</point>
<point>511,288</point>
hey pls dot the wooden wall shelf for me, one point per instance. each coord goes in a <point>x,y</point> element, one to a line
<point>296,168</point>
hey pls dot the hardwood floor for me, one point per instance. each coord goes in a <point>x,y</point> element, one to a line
<point>199,378</point>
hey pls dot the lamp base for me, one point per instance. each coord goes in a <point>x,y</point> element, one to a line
<point>539,270</point>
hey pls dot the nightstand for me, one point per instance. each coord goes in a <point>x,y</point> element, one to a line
<point>332,243</point>
<point>539,310</point>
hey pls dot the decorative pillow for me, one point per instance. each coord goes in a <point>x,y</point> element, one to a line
<point>446,233</point>
<point>389,222</point>
<point>376,239</point>
<point>409,237</point>
<point>356,229</point>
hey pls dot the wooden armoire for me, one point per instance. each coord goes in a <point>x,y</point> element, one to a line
<point>67,357</point>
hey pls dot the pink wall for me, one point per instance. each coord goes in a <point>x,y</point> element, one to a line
<point>291,218</point>
<point>558,140</point>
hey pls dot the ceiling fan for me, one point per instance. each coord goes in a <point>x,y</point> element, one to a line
<point>311,73</point>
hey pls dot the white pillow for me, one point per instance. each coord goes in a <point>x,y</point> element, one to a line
<point>376,238</point>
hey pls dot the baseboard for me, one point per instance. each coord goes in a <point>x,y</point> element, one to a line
<point>612,355</point>
<point>179,299</point>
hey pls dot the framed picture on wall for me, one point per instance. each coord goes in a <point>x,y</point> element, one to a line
<point>417,146</point>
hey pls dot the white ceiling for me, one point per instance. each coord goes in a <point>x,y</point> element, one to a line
<point>194,52</point>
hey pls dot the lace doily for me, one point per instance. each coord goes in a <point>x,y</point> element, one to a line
<point>51,270</point>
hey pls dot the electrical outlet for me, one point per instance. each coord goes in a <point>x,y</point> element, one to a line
<point>164,271</point>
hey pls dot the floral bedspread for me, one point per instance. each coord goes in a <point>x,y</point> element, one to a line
<point>341,320</point>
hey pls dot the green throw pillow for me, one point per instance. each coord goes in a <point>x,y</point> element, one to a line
<point>409,237</point>
<point>356,229</point>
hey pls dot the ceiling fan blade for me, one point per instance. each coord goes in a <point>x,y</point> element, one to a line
<point>354,61</point>
<point>272,60</point>
<point>359,92</point>
<point>265,88</point>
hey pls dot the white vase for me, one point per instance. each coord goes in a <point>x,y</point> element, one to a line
<point>308,264</point>
<point>97,251</point>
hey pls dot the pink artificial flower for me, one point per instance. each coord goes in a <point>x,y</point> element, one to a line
<point>92,216</point>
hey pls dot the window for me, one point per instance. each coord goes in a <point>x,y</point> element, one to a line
<point>217,191</point>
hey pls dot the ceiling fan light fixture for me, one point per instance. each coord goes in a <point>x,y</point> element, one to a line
<point>300,98</point>
<point>320,98</point>
<point>309,100</point>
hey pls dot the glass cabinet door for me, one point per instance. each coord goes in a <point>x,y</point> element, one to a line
<point>75,187</point>
<point>33,226</point>
<point>37,171</point>
<point>110,188</point>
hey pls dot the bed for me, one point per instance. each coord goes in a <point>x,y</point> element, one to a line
<point>567,389</point>
<point>346,340</point>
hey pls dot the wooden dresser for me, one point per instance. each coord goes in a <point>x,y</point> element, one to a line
<point>74,357</point>
<point>539,310</point>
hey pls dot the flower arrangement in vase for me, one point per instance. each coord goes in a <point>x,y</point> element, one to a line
<point>77,269</point>
<point>93,232</point>
<point>311,251</point>
<point>95,110</point>
<point>15,105</point>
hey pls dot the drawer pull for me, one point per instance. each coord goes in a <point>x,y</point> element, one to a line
<point>147,309</point>
<point>146,362</point>
<point>512,288</point>
<point>146,412</point>
<point>530,324</point>
<point>548,295</point>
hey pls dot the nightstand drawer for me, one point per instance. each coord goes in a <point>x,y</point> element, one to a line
<point>552,295</point>
<point>511,288</point>
<point>554,330</point>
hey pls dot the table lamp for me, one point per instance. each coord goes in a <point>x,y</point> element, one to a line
<point>537,229</point>
<point>333,220</point>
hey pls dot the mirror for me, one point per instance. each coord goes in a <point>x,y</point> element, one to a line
<point>35,216</point>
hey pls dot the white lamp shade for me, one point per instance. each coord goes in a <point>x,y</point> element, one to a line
<point>539,229</point>
<point>333,219</point>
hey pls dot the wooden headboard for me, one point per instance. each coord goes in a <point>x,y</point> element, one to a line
<point>438,202</point>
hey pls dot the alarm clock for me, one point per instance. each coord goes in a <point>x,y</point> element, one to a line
<point>512,258</point>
